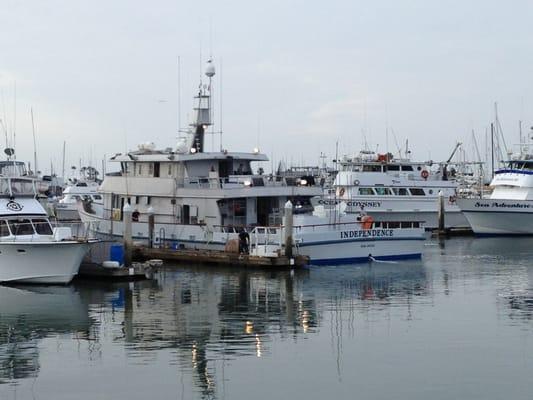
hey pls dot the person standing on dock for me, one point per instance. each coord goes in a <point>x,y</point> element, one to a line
<point>244,242</point>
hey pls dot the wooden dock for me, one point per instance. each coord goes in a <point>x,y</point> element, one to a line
<point>137,271</point>
<point>219,257</point>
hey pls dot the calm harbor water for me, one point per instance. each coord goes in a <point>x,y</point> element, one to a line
<point>457,324</point>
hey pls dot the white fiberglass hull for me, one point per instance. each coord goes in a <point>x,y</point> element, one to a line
<point>356,245</point>
<point>498,217</point>
<point>44,262</point>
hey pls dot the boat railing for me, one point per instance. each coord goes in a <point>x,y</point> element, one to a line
<point>364,225</point>
<point>239,181</point>
<point>78,231</point>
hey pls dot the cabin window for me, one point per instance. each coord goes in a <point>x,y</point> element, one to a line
<point>417,192</point>
<point>393,167</point>
<point>407,168</point>
<point>21,227</point>
<point>372,168</point>
<point>97,197</point>
<point>366,191</point>
<point>148,200</point>
<point>169,169</point>
<point>400,191</point>
<point>157,168</point>
<point>4,230</point>
<point>382,191</point>
<point>140,169</point>
<point>42,227</point>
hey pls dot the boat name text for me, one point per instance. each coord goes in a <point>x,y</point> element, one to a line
<point>496,204</point>
<point>367,233</point>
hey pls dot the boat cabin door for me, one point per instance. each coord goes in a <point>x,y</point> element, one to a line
<point>225,167</point>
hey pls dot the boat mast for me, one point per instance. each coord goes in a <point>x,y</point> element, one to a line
<point>492,147</point>
<point>202,112</point>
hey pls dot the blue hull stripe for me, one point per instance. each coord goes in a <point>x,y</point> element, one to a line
<point>353,260</point>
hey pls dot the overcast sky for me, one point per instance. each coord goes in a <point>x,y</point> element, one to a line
<point>297,76</point>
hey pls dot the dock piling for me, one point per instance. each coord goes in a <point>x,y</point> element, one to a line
<point>288,223</point>
<point>442,226</point>
<point>151,226</point>
<point>127,235</point>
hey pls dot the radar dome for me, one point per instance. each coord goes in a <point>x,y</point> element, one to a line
<point>182,146</point>
<point>210,69</point>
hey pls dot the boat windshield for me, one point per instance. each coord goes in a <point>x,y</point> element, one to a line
<point>20,227</point>
<point>12,168</point>
<point>13,187</point>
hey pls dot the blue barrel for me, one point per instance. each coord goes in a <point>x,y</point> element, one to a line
<point>116,253</point>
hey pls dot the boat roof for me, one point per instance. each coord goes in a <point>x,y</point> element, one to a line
<point>161,156</point>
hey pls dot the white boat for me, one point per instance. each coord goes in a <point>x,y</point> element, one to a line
<point>333,237</point>
<point>31,251</point>
<point>396,189</point>
<point>202,199</point>
<point>508,210</point>
<point>83,188</point>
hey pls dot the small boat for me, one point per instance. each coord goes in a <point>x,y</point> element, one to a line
<point>83,188</point>
<point>31,250</point>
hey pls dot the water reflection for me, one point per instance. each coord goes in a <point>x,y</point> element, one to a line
<point>29,314</point>
<point>200,320</point>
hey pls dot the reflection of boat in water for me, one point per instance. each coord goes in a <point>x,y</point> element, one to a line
<point>30,314</point>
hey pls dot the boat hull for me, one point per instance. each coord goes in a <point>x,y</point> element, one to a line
<point>498,217</point>
<point>353,246</point>
<point>46,262</point>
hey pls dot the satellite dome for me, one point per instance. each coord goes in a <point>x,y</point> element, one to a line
<point>182,146</point>
<point>210,69</point>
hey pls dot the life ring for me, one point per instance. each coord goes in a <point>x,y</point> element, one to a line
<point>356,182</point>
<point>367,222</point>
<point>424,174</point>
<point>341,192</point>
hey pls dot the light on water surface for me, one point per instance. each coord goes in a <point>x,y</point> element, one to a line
<point>457,324</point>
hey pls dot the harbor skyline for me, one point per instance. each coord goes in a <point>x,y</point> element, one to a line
<point>104,77</point>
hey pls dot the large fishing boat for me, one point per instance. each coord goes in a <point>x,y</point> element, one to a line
<point>31,251</point>
<point>396,189</point>
<point>201,199</point>
<point>508,210</point>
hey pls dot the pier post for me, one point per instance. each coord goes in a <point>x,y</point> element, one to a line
<point>288,223</point>
<point>442,226</point>
<point>127,235</point>
<point>151,226</point>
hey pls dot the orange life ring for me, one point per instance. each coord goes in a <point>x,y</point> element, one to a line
<point>367,222</point>
<point>424,174</point>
